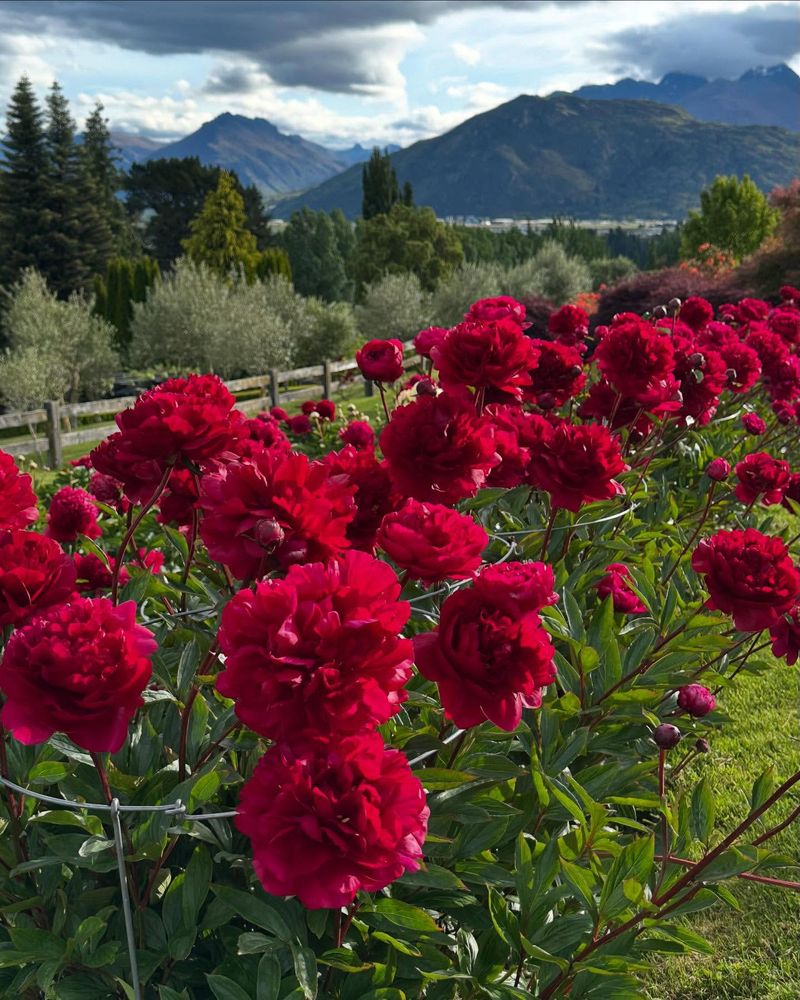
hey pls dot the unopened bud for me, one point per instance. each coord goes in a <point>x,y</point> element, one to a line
<point>674,304</point>
<point>268,533</point>
<point>546,400</point>
<point>667,736</point>
<point>701,746</point>
<point>425,387</point>
<point>660,312</point>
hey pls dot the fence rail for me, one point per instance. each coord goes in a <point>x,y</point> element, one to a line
<point>47,427</point>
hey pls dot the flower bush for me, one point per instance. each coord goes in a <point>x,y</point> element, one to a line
<point>448,675</point>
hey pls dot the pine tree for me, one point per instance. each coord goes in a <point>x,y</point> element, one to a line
<point>379,185</point>
<point>408,194</point>
<point>219,237</point>
<point>100,160</point>
<point>24,218</point>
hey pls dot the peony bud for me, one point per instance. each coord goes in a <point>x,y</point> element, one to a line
<point>701,746</point>
<point>546,400</point>
<point>753,424</point>
<point>268,533</point>
<point>696,700</point>
<point>426,387</point>
<point>660,312</point>
<point>718,469</point>
<point>667,736</point>
<point>674,305</point>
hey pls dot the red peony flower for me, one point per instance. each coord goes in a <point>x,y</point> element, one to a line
<point>17,500</point>
<point>703,377</point>
<point>786,323</point>
<point>604,403</point>
<point>761,476</point>
<point>374,494</point>
<point>785,635</point>
<point>94,576</point>
<point>426,340</point>
<point>784,411</point>
<point>359,434</point>
<point>696,312</point>
<point>576,464</point>
<point>569,324</point>
<point>317,653</point>
<point>267,430</point>
<point>278,413</point>
<point>753,309</point>
<point>183,420</point>
<point>718,469</point>
<point>696,700</point>
<point>79,670</point>
<point>152,559</point>
<point>300,425</point>
<point>789,293</point>
<point>438,449</point>
<point>783,381</point>
<point>558,372</point>
<point>381,360</point>
<point>769,347</point>
<point>490,657</point>
<point>274,510</point>
<point>633,357</point>
<point>431,542</point>
<point>615,584</point>
<point>72,513</point>
<point>325,824</point>
<point>749,576</point>
<point>35,574</point>
<point>792,492</point>
<point>108,491</point>
<point>753,423</point>
<point>179,500</point>
<point>483,355</point>
<point>501,307</point>
<point>743,366</point>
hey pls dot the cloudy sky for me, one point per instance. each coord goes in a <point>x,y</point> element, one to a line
<point>371,70</point>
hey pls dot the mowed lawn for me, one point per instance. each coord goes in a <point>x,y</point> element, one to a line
<point>756,950</point>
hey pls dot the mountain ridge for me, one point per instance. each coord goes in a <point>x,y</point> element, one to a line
<point>563,155</point>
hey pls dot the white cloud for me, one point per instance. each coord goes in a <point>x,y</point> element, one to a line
<point>466,53</point>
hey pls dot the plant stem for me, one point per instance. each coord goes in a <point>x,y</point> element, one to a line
<point>548,532</point>
<point>694,535</point>
<point>131,531</point>
<point>383,400</point>
<point>185,715</point>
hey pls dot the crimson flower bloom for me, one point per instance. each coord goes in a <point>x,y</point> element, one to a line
<point>72,513</point>
<point>381,360</point>
<point>182,421</point>
<point>438,449</point>
<point>577,463</point>
<point>359,434</point>
<point>749,576</point>
<point>633,356</point>
<point>17,500</point>
<point>696,700</point>
<point>93,575</point>
<point>785,635</point>
<point>558,372</point>
<point>569,324</point>
<point>753,423</point>
<point>432,542</point>
<point>274,509</point>
<point>35,574</point>
<point>497,309</point>
<point>718,469</point>
<point>350,815</point>
<point>426,340</point>
<point>374,494</point>
<point>78,670</point>
<point>317,652</point>
<point>483,355</point>
<point>696,312</point>
<point>762,476</point>
<point>489,656</point>
<point>615,584</point>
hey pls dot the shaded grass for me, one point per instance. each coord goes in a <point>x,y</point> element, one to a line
<point>757,950</point>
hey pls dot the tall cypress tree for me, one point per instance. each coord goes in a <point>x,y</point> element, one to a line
<point>24,216</point>
<point>100,159</point>
<point>379,185</point>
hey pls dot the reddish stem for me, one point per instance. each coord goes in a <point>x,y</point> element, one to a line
<point>131,531</point>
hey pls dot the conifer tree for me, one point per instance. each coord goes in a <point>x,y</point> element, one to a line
<point>379,185</point>
<point>219,236</point>
<point>24,217</point>
<point>101,162</point>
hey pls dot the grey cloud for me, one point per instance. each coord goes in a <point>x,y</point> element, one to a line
<point>711,44</point>
<point>291,41</point>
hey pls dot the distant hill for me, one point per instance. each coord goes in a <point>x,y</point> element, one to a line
<point>563,155</point>
<point>763,96</point>
<point>258,151</point>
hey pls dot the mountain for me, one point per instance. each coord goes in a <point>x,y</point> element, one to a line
<point>562,155</point>
<point>258,152</point>
<point>133,148</point>
<point>763,96</point>
<point>360,154</point>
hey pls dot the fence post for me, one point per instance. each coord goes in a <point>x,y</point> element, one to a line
<point>326,379</point>
<point>274,386</point>
<point>369,387</point>
<point>56,453</point>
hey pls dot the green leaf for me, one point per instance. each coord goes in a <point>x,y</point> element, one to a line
<point>305,968</point>
<point>435,779</point>
<point>634,862</point>
<point>254,943</point>
<point>255,911</point>
<point>268,980</point>
<point>49,772</point>
<point>40,945</point>
<point>763,787</point>
<point>226,989</point>
<point>402,946</point>
<point>406,915</point>
<point>196,883</point>
<point>703,811</point>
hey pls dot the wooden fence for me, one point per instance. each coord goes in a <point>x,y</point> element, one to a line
<point>47,431</point>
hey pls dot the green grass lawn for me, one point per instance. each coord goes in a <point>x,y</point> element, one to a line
<point>757,950</point>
